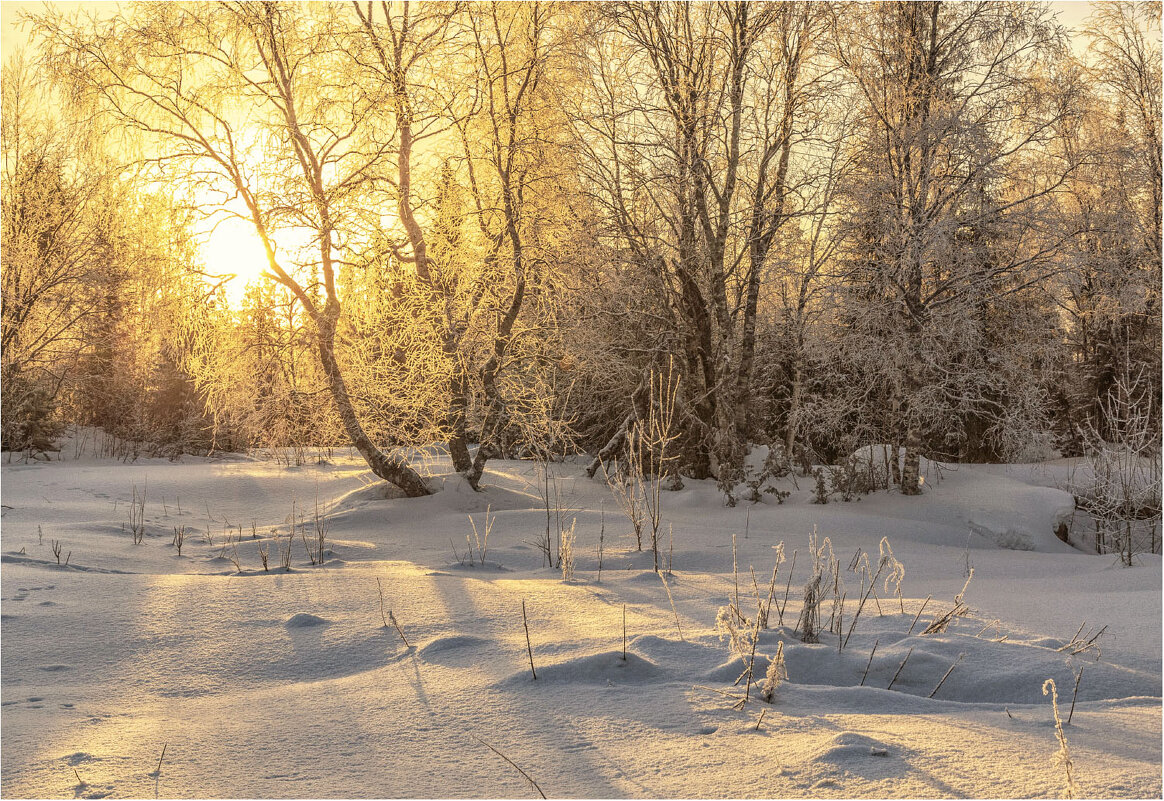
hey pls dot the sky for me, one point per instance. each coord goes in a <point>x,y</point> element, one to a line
<point>1071,14</point>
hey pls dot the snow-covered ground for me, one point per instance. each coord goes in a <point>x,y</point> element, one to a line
<point>288,684</point>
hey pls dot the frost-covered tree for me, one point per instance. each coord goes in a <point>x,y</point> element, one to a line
<point>686,120</point>
<point>962,104</point>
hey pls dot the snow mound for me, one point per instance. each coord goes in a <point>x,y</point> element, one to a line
<point>304,620</point>
<point>455,495</point>
<point>1005,536</point>
<point>953,666</point>
<point>444,648</point>
<point>693,657</point>
<point>735,667</point>
<point>362,497</point>
<point>603,668</point>
<point>849,746</point>
<point>651,578</point>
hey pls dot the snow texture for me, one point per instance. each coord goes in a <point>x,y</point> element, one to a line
<point>288,683</point>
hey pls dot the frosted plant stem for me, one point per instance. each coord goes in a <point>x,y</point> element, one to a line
<point>673,609</point>
<point>787,587</point>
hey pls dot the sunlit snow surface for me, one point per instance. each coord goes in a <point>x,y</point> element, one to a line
<point>285,684</point>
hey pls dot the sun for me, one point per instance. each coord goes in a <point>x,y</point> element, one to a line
<point>230,249</point>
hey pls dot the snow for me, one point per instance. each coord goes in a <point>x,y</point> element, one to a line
<point>288,683</point>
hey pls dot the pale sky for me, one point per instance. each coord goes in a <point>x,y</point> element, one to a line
<point>1071,14</point>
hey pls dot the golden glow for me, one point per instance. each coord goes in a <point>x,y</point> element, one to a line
<point>231,252</point>
<point>232,248</point>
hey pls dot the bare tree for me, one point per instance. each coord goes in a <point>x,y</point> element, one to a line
<point>191,81</point>
<point>688,123</point>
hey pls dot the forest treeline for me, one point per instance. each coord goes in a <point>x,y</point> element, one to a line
<point>542,228</point>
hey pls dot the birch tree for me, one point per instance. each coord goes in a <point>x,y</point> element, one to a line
<point>253,100</point>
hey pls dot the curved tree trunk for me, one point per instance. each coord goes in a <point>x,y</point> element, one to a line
<point>388,466</point>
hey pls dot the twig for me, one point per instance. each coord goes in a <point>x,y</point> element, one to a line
<point>735,573</point>
<point>399,630</point>
<point>763,712</point>
<point>601,540</point>
<point>716,690</point>
<point>158,770</point>
<point>994,622</point>
<point>1074,639</point>
<point>841,623</point>
<point>1090,643</point>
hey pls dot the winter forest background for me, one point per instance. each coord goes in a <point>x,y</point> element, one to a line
<point>658,233</point>
<point>599,400</point>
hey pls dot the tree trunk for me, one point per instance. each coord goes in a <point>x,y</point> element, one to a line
<point>911,467</point>
<point>458,403</point>
<point>388,466</point>
<point>793,409</point>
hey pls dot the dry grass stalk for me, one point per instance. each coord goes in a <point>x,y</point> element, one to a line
<point>387,616</point>
<point>481,538</point>
<point>601,540</point>
<point>946,676</point>
<point>787,587</point>
<point>918,615</point>
<point>525,775</point>
<point>624,632</point>
<point>673,609</point>
<point>942,622</point>
<point>1075,695</point>
<point>900,668</point>
<point>869,663</point>
<point>528,644</point>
